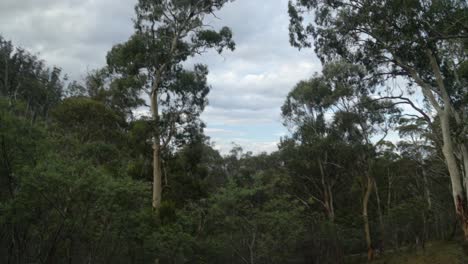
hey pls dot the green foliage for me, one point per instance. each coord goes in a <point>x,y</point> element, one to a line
<point>23,77</point>
<point>76,165</point>
<point>248,222</point>
<point>88,120</point>
<point>167,34</point>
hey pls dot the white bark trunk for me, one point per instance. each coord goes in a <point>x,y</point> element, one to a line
<point>449,154</point>
<point>327,193</point>
<point>157,177</point>
<point>379,208</point>
<point>427,191</point>
<point>448,148</point>
<point>455,175</point>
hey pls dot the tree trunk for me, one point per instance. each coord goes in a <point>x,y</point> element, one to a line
<point>379,208</point>
<point>455,176</point>
<point>365,216</point>
<point>427,191</point>
<point>328,203</point>
<point>251,247</point>
<point>327,194</point>
<point>332,207</point>
<point>157,177</point>
<point>389,191</point>
<point>464,152</point>
<point>448,149</point>
<point>5,79</point>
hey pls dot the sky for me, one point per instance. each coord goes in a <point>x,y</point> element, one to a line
<point>249,85</point>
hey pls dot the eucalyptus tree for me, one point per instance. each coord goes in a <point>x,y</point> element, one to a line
<point>311,154</point>
<point>333,112</point>
<point>6,51</point>
<point>115,92</point>
<point>422,41</point>
<point>24,77</point>
<point>168,32</point>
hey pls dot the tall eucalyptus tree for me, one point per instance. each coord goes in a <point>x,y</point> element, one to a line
<point>168,32</point>
<point>422,41</point>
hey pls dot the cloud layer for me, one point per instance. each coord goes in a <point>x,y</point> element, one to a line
<point>249,85</point>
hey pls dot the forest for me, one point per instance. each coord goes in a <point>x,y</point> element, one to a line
<point>376,161</point>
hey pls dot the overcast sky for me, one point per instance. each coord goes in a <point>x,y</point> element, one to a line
<point>249,85</point>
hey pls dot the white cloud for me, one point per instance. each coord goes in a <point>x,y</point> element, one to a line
<point>248,145</point>
<point>221,131</point>
<point>71,34</point>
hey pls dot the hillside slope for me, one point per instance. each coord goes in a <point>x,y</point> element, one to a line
<point>435,253</point>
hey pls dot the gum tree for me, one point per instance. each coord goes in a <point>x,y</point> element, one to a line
<point>168,32</point>
<point>421,41</point>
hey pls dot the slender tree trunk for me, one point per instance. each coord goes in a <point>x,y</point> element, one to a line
<point>157,172</point>
<point>455,176</point>
<point>389,191</point>
<point>365,216</point>
<point>424,234</point>
<point>252,246</point>
<point>157,177</point>
<point>328,203</point>
<point>15,93</point>
<point>5,80</point>
<point>327,194</point>
<point>427,191</point>
<point>332,207</point>
<point>379,208</point>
